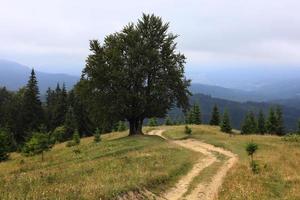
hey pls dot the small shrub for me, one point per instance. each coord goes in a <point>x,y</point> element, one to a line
<point>251,148</point>
<point>291,138</point>
<point>97,136</point>
<point>38,144</point>
<point>121,126</point>
<point>187,130</point>
<point>59,134</point>
<point>76,137</point>
<point>70,144</point>
<point>152,122</point>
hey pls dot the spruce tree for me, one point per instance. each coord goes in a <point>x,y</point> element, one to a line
<point>250,124</point>
<point>261,125</point>
<point>196,119</point>
<point>225,124</point>
<point>97,135</point>
<point>215,117</point>
<point>279,121</point>
<point>76,137</point>
<point>32,107</point>
<point>272,122</point>
<point>70,122</point>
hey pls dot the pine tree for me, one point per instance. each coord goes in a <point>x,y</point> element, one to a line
<point>97,135</point>
<point>298,130</point>
<point>189,117</point>
<point>38,144</point>
<point>225,124</point>
<point>279,121</point>
<point>70,122</point>
<point>215,117</point>
<point>250,124</point>
<point>261,125</point>
<point>76,137</point>
<point>32,107</point>
<point>272,122</point>
<point>196,114</point>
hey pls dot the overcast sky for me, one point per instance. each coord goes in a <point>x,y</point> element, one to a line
<point>53,35</point>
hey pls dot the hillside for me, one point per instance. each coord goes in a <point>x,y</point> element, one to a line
<point>115,166</point>
<point>14,75</point>
<point>237,110</point>
<point>141,167</point>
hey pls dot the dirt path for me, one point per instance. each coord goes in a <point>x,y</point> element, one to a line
<point>203,191</point>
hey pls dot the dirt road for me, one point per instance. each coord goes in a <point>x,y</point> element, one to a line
<point>203,191</point>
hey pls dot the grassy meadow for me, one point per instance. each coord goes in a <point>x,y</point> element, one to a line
<point>114,166</point>
<point>279,162</point>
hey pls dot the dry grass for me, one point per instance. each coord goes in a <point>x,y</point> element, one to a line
<point>100,171</point>
<point>279,161</point>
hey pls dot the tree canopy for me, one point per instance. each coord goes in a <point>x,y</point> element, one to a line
<point>136,74</point>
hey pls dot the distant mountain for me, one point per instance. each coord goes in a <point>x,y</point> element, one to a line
<point>237,110</point>
<point>283,90</point>
<point>14,75</point>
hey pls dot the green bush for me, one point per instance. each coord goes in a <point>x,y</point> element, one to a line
<point>152,122</point>
<point>251,148</point>
<point>187,130</point>
<point>121,126</point>
<point>59,134</point>
<point>291,138</point>
<point>38,144</point>
<point>76,137</point>
<point>97,136</point>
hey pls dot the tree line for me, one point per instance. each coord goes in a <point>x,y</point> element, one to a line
<point>252,124</point>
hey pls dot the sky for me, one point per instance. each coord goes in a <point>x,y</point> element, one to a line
<point>53,35</point>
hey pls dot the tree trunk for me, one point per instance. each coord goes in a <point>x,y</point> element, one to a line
<point>135,127</point>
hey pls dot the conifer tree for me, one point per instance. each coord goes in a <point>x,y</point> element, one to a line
<point>97,135</point>
<point>225,124</point>
<point>250,124</point>
<point>76,137</point>
<point>279,122</point>
<point>196,114</point>
<point>261,125</point>
<point>215,117</point>
<point>272,122</point>
<point>70,122</point>
<point>32,107</point>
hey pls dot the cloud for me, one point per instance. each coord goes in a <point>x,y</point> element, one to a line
<point>55,34</point>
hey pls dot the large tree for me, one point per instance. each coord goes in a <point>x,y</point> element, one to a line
<point>136,73</point>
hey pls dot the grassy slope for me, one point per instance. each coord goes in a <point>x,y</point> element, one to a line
<point>105,170</point>
<point>279,177</point>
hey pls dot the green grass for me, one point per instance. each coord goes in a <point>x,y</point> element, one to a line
<point>106,170</point>
<point>279,176</point>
